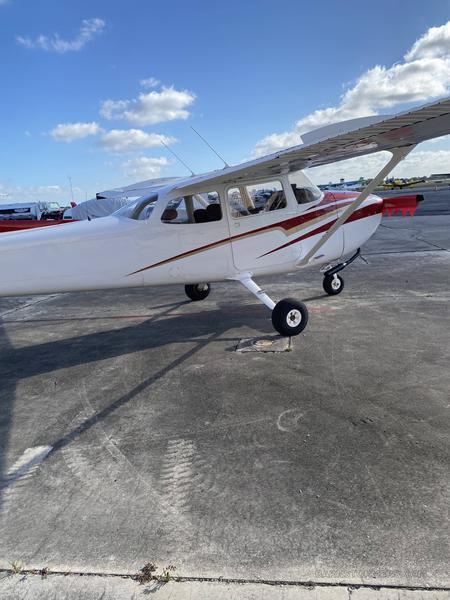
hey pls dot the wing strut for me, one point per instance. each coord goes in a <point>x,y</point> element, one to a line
<point>398,154</point>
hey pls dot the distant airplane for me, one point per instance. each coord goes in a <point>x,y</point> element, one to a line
<point>206,228</point>
<point>356,184</point>
<point>392,184</point>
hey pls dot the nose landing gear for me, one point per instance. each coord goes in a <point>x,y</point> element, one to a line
<point>333,283</point>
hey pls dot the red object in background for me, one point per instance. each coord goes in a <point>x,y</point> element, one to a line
<point>18,225</point>
<point>395,205</point>
<point>406,205</point>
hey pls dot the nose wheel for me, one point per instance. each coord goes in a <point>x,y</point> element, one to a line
<point>333,284</point>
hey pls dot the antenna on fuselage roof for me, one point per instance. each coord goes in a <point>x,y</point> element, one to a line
<point>209,146</point>
<point>178,158</point>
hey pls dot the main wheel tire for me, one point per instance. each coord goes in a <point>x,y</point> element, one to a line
<point>333,284</point>
<point>198,291</point>
<point>289,317</point>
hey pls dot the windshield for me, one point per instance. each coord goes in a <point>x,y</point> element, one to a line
<point>304,189</point>
<point>140,209</point>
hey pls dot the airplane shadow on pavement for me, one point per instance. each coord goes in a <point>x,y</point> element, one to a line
<point>198,328</point>
<point>7,396</point>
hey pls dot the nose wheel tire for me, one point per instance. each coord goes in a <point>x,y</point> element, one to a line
<point>197,291</point>
<point>333,284</point>
<point>289,317</point>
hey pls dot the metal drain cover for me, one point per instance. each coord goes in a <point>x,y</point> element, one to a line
<point>277,344</point>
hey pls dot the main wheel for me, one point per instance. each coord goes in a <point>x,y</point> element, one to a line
<point>198,291</point>
<point>333,284</point>
<point>289,317</point>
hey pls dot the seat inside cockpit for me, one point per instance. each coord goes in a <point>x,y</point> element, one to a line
<point>197,208</point>
<point>303,195</point>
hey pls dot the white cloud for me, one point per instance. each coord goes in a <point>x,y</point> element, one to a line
<point>10,193</point>
<point>17,193</point>
<point>54,43</point>
<point>423,74</point>
<point>150,108</point>
<point>68,132</point>
<point>150,82</point>
<point>144,167</point>
<point>129,140</point>
<point>418,163</point>
<point>434,43</point>
<point>276,141</point>
<point>438,140</point>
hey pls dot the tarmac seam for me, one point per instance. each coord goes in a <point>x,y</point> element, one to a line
<point>416,237</point>
<point>32,303</point>
<point>436,249</point>
<point>238,581</point>
<point>431,244</point>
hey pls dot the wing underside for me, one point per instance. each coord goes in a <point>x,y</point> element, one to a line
<point>403,130</point>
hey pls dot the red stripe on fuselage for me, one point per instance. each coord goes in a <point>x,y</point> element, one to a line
<point>326,206</point>
<point>361,213</point>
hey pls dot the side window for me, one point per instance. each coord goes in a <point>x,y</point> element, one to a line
<point>197,208</point>
<point>256,198</point>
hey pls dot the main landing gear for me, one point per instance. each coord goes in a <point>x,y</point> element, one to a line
<point>333,283</point>
<point>198,291</point>
<point>289,316</point>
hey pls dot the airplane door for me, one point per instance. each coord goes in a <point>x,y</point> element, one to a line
<point>189,243</point>
<point>207,253</point>
<point>257,226</point>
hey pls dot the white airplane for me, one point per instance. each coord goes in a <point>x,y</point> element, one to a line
<point>257,218</point>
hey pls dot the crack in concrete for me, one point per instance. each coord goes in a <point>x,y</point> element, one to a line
<point>434,245</point>
<point>415,234</point>
<point>438,249</point>
<point>239,581</point>
<point>32,303</point>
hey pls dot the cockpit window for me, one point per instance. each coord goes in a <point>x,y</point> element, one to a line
<point>305,191</point>
<point>196,208</point>
<point>257,198</point>
<point>138,210</point>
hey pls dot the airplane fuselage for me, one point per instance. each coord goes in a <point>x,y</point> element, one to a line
<point>116,251</point>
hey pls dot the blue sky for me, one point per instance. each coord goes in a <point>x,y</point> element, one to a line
<point>89,88</point>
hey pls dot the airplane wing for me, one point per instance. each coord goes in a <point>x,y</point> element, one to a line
<point>338,142</point>
<point>137,189</point>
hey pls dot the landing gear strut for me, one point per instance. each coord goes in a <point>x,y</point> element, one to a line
<point>289,316</point>
<point>333,283</point>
